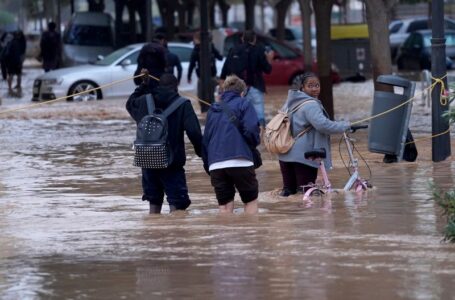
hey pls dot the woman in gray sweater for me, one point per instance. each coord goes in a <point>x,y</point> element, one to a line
<point>297,171</point>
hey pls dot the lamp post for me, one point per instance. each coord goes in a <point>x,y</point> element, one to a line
<point>440,144</point>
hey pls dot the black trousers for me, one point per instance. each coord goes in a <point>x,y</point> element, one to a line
<point>296,175</point>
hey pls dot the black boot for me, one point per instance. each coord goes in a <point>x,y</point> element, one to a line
<point>285,192</point>
<point>155,209</point>
<point>172,208</point>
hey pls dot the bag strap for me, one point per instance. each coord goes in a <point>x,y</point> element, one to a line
<point>230,114</point>
<point>304,131</point>
<point>234,120</point>
<point>298,106</point>
<point>174,105</point>
<point>150,103</point>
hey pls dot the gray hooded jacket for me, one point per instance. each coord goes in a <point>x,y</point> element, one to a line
<point>318,137</point>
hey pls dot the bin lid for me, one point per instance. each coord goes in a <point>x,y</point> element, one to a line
<point>349,31</point>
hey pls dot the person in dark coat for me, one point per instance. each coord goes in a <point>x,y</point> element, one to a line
<point>172,60</point>
<point>195,63</point>
<point>51,48</point>
<point>4,41</point>
<point>14,55</point>
<point>227,153</point>
<point>170,181</point>
<point>152,58</point>
<point>259,62</point>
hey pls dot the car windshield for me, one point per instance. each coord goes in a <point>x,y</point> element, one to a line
<point>111,58</point>
<point>450,40</point>
<point>88,35</point>
<point>395,26</point>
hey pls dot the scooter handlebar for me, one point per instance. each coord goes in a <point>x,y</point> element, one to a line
<point>354,128</point>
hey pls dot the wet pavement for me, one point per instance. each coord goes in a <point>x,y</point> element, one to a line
<point>72,225</point>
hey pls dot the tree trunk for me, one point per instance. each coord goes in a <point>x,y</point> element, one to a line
<point>281,8</point>
<point>249,14</point>
<point>181,11</point>
<point>378,30</point>
<point>211,5</point>
<point>167,9</point>
<point>322,12</point>
<point>305,11</point>
<point>224,11</point>
<point>190,7</point>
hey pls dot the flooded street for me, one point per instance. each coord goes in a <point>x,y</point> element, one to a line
<point>73,226</point>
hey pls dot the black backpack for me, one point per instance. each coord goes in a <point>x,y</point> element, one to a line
<point>151,146</point>
<point>238,61</point>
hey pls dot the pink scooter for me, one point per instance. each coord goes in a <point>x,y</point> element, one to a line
<point>355,182</point>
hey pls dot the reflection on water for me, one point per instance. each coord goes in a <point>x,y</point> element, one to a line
<point>73,226</point>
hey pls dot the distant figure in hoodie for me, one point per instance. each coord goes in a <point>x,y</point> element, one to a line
<point>297,171</point>
<point>172,180</point>
<point>227,151</point>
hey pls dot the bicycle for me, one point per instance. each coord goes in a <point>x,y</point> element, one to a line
<point>355,181</point>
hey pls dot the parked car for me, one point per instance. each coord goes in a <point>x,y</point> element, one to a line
<point>88,35</point>
<point>116,66</point>
<point>415,54</point>
<point>294,36</point>
<point>287,66</point>
<point>399,30</point>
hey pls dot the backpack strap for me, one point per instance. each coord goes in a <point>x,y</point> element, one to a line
<point>150,103</point>
<point>173,106</point>
<point>298,106</point>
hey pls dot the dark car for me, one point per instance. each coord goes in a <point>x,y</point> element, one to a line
<point>287,66</point>
<point>415,53</point>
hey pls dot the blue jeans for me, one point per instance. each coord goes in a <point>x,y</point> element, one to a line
<point>256,97</point>
<point>172,181</point>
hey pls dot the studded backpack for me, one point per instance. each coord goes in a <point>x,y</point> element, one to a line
<point>151,146</point>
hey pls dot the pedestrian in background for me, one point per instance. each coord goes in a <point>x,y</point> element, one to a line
<point>172,60</point>
<point>195,63</point>
<point>152,58</point>
<point>51,48</point>
<point>249,62</point>
<point>14,55</point>
<point>4,41</point>
<point>227,147</point>
<point>171,180</point>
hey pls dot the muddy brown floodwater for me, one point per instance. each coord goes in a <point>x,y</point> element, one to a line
<point>72,225</point>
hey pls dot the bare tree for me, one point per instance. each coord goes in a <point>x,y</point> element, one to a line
<point>322,11</point>
<point>305,11</point>
<point>378,29</point>
<point>281,7</point>
<point>249,14</point>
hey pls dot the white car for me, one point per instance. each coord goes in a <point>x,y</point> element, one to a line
<point>117,66</point>
<point>399,30</point>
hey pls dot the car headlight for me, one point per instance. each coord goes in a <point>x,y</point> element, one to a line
<point>52,81</point>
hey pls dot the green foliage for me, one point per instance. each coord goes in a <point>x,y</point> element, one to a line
<point>446,201</point>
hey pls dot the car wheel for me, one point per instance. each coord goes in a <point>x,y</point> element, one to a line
<point>83,86</point>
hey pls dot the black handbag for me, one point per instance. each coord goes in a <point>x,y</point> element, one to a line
<point>257,159</point>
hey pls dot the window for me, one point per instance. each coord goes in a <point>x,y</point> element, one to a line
<point>394,27</point>
<point>418,25</point>
<point>283,51</point>
<point>88,35</point>
<point>111,58</point>
<point>183,53</point>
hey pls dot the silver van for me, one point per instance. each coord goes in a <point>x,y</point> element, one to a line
<point>88,35</point>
